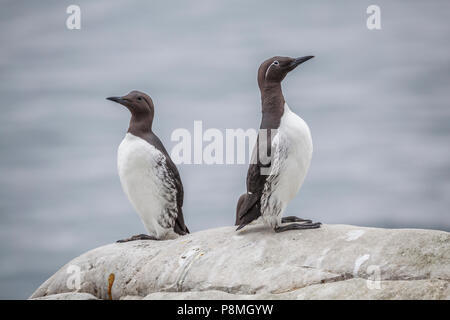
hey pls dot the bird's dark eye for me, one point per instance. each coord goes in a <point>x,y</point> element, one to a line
<point>139,98</point>
<point>276,62</point>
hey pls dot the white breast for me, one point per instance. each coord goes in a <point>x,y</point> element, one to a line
<point>292,152</point>
<point>138,165</point>
<point>297,136</point>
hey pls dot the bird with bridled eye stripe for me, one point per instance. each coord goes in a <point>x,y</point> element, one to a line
<point>281,156</point>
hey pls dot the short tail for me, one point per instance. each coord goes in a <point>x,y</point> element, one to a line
<point>180,227</point>
<point>238,209</point>
<point>246,210</point>
<point>241,226</point>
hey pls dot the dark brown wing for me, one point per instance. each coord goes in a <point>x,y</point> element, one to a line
<point>249,206</point>
<point>179,227</point>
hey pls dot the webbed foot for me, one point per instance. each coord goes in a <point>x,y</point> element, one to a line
<point>137,237</point>
<point>297,226</point>
<point>294,219</point>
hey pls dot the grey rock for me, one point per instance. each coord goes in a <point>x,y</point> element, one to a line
<point>68,296</point>
<point>333,262</point>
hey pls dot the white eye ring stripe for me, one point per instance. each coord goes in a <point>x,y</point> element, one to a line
<point>273,64</point>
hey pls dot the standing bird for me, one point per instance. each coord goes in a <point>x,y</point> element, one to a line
<point>148,176</point>
<point>281,157</point>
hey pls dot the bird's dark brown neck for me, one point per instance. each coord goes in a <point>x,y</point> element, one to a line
<point>272,101</point>
<point>140,124</point>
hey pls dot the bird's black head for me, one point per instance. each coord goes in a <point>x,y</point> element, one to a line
<point>137,102</point>
<point>275,69</point>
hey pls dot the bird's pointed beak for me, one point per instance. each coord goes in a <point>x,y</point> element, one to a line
<point>298,61</point>
<point>120,100</point>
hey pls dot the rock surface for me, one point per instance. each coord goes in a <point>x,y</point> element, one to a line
<point>333,262</point>
<point>68,296</point>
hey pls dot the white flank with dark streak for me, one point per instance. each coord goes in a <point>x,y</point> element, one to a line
<point>292,152</point>
<point>147,184</point>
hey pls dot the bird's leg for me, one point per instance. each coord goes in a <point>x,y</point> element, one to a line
<point>137,237</point>
<point>294,219</point>
<point>297,226</point>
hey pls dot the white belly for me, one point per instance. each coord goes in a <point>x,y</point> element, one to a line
<point>299,154</point>
<point>137,164</point>
<point>295,137</point>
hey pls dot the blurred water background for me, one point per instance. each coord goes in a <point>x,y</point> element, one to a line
<point>377,103</point>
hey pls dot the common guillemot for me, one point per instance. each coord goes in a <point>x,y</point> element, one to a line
<point>148,176</point>
<point>286,140</point>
